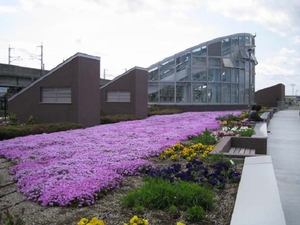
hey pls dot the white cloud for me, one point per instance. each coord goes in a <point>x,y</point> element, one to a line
<point>28,5</point>
<point>295,40</point>
<point>286,62</point>
<point>266,69</point>
<point>271,15</point>
<point>7,9</point>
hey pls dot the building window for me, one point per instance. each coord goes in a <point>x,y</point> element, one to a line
<point>166,93</point>
<point>118,96</point>
<point>167,70</point>
<point>56,95</point>
<point>200,51</point>
<point>153,74</point>
<point>214,75</point>
<point>153,92</point>
<point>199,61</point>
<point>199,93</point>
<point>183,92</point>
<point>227,63</point>
<point>183,61</point>
<point>226,43</point>
<point>226,91</point>
<point>199,74</point>
<point>215,62</point>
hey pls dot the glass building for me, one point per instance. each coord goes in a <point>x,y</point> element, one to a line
<point>217,72</point>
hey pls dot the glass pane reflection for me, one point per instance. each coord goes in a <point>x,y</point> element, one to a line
<point>183,92</point>
<point>166,93</point>
<point>199,93</point>
<point>167,70</point>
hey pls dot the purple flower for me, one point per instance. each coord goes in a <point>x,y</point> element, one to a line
<point>73,166</point>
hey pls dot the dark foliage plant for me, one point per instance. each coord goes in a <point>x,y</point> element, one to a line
<point>216,175</point>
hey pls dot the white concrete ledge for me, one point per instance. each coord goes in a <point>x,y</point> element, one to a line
<point>261,130</point>
<point>258,201</point>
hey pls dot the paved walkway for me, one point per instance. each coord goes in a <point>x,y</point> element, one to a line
<point>284,148</point>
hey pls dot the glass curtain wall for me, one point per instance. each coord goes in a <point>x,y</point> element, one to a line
<point>226,74</point>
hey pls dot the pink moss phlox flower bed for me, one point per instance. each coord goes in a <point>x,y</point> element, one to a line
<point>72,167</point>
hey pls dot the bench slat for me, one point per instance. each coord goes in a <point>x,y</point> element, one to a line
<point>247,151</point>
<point>252,151</point>
<point>232,150</point>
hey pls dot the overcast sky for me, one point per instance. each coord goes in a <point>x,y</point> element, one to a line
<point>128,33</point>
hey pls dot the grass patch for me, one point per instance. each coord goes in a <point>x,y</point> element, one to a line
<point>205,138</point>
<point>160,194</point>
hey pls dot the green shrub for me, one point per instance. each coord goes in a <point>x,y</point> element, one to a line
<point>31,120</point>
<point>9,132</point>
<point>153,108</point>
<point>13,120</point>
<point>205,138</point>
<point>228,117</point>
<point>246,133</point>
<point>215,158</point>
<point>164,112</point>
<point>116,118</point>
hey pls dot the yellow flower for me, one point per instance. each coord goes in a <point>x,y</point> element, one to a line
<point>94,220</point>
<point>179,223</point>
<point>224,122</point>
<point>174,157</point>
<point>100,222</point>
<point>83,221</point>
<point>133,219</point>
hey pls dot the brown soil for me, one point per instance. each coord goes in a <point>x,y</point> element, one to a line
<point>107,207</point>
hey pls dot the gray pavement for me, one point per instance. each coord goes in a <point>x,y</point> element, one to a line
<point>284,148</point>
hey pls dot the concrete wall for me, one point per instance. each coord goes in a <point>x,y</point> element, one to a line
<point>17,76</point>
<point>134,81</point>
<point>82,74</point>
<point>273,96</point>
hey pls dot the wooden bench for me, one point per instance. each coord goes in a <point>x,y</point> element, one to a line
<point>240,147</point>
<point>258,201</point>
<point>242,151</point>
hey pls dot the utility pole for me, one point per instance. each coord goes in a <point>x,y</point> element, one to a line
<point>10,58</point>
<point>9,50</point>
<point>41,59</point>
<point>293,85</point>
<point>250,77</point>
